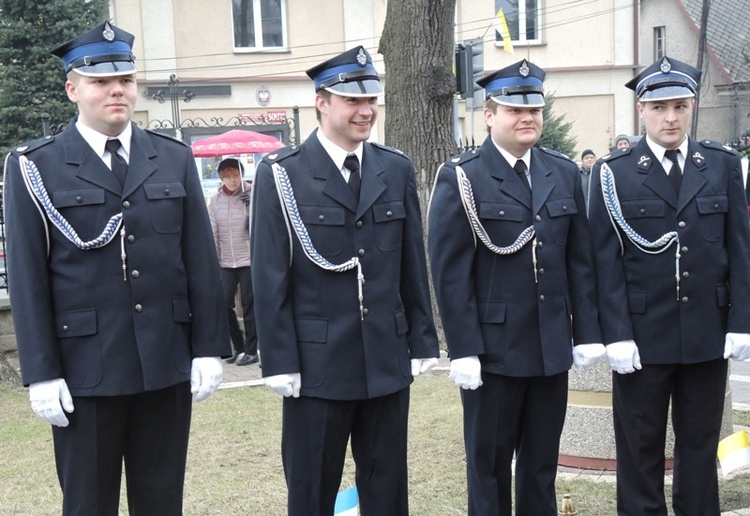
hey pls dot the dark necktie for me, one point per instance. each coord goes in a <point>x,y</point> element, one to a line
<point>352,164</point>
<point>675,173</point>
<point>119,166</point>
<point>520,169</point>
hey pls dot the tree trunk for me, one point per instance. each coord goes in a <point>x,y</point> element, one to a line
<point>8,373</point>
<point>417,48</point>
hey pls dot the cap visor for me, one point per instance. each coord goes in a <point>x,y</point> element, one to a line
<point>667,93</point>
<point>530,100</point>
<point>369,88</point>
<point>106,69</point>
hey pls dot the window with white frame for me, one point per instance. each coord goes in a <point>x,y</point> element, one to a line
<point>660,42</point>
<point>523,18</point>
<point>259,24</point>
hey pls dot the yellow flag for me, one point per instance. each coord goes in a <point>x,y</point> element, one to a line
<point>734,452</point>
<point>501,25</point>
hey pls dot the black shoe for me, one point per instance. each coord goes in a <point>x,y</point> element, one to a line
<point>247,359</point>
<point>234,356</point>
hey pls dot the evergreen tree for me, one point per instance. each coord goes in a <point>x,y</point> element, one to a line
<point>555,133</point>
<point>31,79</point>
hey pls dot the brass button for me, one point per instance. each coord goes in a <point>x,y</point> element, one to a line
<point>126,204</point>
<point>79,199</point>
<point>358,224</point>
<point>681,224</point>
<point>642,211</point>
<point>389,213</point>
<point>565,208</point>
<point>539,245</point>
<point>541,298</point>
<point>166,192</point>
<point>139,308</point>
<point>502,213</point>
<point>685,274</point>
<point>361,252</point>
<point>65,327</point>
<point>540,272</point>
<point>365,311</point>
<point>131,238</point>
<point>684,299</point>
<point>135,274</point>
<point>684,249</point>
<point>538,218</point>
<point>321,217</point>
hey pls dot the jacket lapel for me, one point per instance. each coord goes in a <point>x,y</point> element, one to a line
<point>140,166</point>
<point>541,185</point>
<point>693,175</point>
<point>372,185</point>
<point>500,169</point>
<point>89,166</point>
<point>325,169</point>
<point>653,175</point>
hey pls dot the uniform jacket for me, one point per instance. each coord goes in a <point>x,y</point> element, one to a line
<point>75,317</point>
<point>309,318</point>
<point>637,291</point>
<point>229,223</point>
<point>490,304</point>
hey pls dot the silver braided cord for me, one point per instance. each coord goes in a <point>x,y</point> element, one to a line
<point>34,184</point>
<point>658,246</point>
<point>289,206</point>
<point>467,198</point>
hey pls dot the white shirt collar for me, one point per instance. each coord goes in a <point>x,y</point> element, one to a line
<point>97,140</point>
<point>659,151</point>
<point>337,154</point>
<point>511,159</point>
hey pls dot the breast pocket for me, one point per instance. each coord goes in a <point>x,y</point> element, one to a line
<point>647,217</point>
<point>82,208</point>
<point>713,210</point>
<point>325,226</point>
<point>165,202</point>
<point>389,224</point>
<point>560,211</point>
<point>503,221</point>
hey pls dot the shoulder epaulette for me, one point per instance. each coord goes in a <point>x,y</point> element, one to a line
<point>460,159</point>
<point>167,136</point>
<point>710,144</point>
<point>555,153</point>
<point>32,145</point>
<point>282,153</point>
<point>389,149</point>
<point>617,153</point>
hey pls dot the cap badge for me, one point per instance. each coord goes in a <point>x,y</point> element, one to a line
<point>524,70</point>
<point>665,66</point>
<point>361,57</point>
<point>108,33</point>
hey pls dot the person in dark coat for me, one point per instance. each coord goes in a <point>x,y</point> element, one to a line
<point>343,305</point>
<point>115,288</point>
<point>671,239</point>
<point>513,273</point>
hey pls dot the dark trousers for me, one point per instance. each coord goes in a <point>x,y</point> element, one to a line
<point>314,440</point>
<point>509,415</point>
<point>640,405</point>
<point>149,431</point>
<point>231,279</point>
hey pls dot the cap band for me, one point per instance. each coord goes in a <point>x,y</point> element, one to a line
<point>345,73</point>
<point>95,60</point>
<point>102,51</point>
<point>673,78</point>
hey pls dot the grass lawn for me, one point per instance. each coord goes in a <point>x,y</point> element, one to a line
<point>234,465</point>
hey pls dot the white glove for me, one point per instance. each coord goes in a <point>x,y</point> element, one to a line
<point>737,346</point>
<point>587,355</point>
<point>49,398</point>
<point>205,377</point>
<point>422,365</point>
<point>284,384</point>
<point>623,356</point>
<point>466,372</point>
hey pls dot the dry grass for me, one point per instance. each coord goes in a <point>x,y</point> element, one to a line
<point>234,465</point>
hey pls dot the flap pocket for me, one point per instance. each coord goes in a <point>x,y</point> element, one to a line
<point>181,310</point>
<point>492,312</point>
<point>643,208</point>
<point>322,215</point>
<point>501,211</point>
<point>76,323</point>
<point>77,197</point>
<point>385,211</point>
<point>167,190</point>
<point>402,324</point>
<point>560,207</point>
<point>311,330</point>
<point>708,204</point>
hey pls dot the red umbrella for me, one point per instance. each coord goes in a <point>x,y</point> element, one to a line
<point>236,141</point>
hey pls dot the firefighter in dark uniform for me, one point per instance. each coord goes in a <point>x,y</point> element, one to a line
<point>511,263</point>
<point>671,240</point>
<point>342,300</point>
<point>115,288</point>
